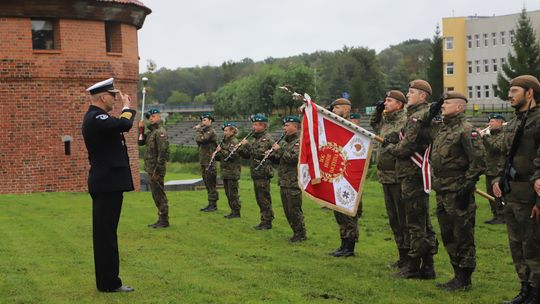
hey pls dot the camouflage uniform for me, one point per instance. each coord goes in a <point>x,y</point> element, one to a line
<point>523,232</point>
<point>230,171</point>
<point>156,156</point>
<point>206,139</point>
<point>261,178</point>
<point>391,123</point>
<point>457,159</point>
<point>417,137</point>
<point>493,144</point>
<point>291,195</point>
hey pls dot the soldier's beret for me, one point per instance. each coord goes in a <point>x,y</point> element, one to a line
<point>526,81</point>
<point>354,116</point>
<point>206,115</point>
<point>291,118</point>
<point>397,95</point>
<point>151,111</point>
<point>258,117</point>
<point>496,116</point>
<point>454,95</point>
<point>421,85</point>
<point>228,124</point>
<point>341,101</point>
<point>103,86</point>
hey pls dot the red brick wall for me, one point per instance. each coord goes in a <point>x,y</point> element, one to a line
<point>43,98</point>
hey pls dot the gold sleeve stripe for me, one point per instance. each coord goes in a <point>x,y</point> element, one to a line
<point>126,115</point>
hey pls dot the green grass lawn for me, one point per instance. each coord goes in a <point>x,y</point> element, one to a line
<point>46,254</point>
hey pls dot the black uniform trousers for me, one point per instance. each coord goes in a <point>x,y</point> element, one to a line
<point>106,208</point>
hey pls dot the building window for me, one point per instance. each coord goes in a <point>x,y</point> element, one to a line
<point>503,61</point>
<point>503,38</point>
<point>477,40</point>
<point>478,92</point>
<point>469,92</point>
<point>495,88</point>
<point>494,68</point>
<point>486,66</point>
<point>469,42</point>
<point>477,64</point>
<point>494,39</point>
<point>113,37</point>
<point>469,67</point>
<point>512,34</point>
<point>450,68</point>
<point>486,40</point>
<point>45,34</point>
<point>449,43</point>
<point>486,91</point>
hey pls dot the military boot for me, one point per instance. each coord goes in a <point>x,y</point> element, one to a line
<point>461,281</point>
<point>522,295</point>
<point>403,259</point>
<point>348,249</point>
<point>212,206</point>
<point>163,221</point>
<point>234,214</point>
<point>534,296</point>
<point>154,224</point>
<point>298,237</point>
<point>412,271</point>
<point>340,248</point>
<point>427,272</point>
<point>263,226</point>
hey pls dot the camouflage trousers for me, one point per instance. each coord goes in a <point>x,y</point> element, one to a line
<point>231,190</point>
<point>524,240</point>
<point>264,200</point>
<point>497,211</point>
<point>291,199</point>
<point>396,214</point>
<point>457,229</point>
<point>210,181</point>
<point>423,240</point>
<point>160,198</point>
<point>348,225</point>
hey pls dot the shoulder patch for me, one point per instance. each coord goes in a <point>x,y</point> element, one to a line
<point>126,115</point>
<point>102,116</point>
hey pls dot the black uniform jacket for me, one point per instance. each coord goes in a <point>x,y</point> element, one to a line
<point>107,151</point>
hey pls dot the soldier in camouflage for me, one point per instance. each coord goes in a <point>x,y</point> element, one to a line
<point>458,160</point>
<point>522,209</point>
<point>387,120</point>
<point>493,139</point>
<point>416,138</point>
<point>291,195</point>
<point>255,151</point>
<point>206,139</point>
<point>230,168</point>
<point>156,156</point>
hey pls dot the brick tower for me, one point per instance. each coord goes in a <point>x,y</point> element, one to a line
<point>50,52</point>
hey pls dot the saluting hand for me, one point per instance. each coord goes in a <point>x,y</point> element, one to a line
<point>126,100</point>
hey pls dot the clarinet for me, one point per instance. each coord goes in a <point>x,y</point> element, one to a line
<point>213,159</point>
<point>267,153</point>
<point>236,147</point>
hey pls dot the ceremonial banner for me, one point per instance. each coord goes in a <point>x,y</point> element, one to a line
<point>334,158</point>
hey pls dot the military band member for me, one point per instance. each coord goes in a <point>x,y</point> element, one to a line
<point>255,151</point>
<point>387,120</point>
<point>522,187</point>
<point>291,196</point>
<point>156,156</point>
<point>108,179</point>
<point>457,159</point>
<point>206,139</point>
<point>230,168</point>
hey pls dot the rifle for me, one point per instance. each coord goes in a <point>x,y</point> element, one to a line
<point>268,152</point>
<point>237,146</point>
<point>141,129</point>
<point>213,159</point>
<point>509,172</point>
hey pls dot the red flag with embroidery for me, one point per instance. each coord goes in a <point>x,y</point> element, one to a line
<point>334,158</point>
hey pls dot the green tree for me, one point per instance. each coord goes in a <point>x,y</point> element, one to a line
<point>178,98</point>
<point>435,68</point>
<point>524,60</point>
<point>201,98</point>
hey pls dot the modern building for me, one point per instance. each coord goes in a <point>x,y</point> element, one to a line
<point>51,51</point>
<point>474,49</point>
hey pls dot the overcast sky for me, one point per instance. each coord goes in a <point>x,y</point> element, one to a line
<point>187,33</point>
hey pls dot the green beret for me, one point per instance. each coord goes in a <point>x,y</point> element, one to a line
<point>341,101</point>
<point>421,85</point>
<point>151,111</point>
<point>526,81</point>
<point>291,118</point>
<point>354,116</point>
<point>454,95</point>
<point>397,95</point>
<point>228,124</point>
<point>496,116</point>
<point>258,117</point>
<point>206,115</point>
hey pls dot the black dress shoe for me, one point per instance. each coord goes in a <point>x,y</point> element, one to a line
<point>123,288</point>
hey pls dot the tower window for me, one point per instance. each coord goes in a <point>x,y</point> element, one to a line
<point>45,34</point>
<point>113,37</point>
